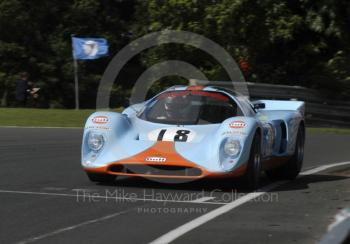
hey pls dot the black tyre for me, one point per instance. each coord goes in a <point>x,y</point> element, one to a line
<point>292,168</point>
<point>253,174</point>
<point>102,178</point>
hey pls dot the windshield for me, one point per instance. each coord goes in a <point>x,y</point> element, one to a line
<point>190,108</point>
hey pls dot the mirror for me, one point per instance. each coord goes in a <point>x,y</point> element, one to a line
<point>259,106</point>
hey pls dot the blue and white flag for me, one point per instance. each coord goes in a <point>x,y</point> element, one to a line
<point>89,48</point>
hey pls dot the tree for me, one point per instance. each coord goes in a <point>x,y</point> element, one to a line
<point>37,38</point>
<point>287,42</point>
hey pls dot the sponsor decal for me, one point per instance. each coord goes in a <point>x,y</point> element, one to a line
<point>155,159</point>
<point>98,127</point>
<point>234,133</point>
<point>92,159</point>
<point>100,120</point>
<point>264,118</point>
<point>237,124</point>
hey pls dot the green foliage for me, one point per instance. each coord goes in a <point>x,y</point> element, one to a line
<point>287,42</point>
<point>36,38</point>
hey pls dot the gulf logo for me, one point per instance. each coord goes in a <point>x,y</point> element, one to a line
<point>237,124</point>
<point>100,120</point>
<point>155,159</point>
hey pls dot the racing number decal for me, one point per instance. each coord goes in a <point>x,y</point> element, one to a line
<point>172,134</point>
<point>181,135</point>
<point>161,135</point>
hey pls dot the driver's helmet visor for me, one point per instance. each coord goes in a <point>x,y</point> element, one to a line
<point>175,103</point>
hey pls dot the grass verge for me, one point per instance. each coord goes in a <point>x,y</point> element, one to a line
<point>339,131</point>
<point>76,118</point>
<point>44,117</point>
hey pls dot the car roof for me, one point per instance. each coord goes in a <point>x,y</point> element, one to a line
<point>204,88</point>
<point>242,101</point>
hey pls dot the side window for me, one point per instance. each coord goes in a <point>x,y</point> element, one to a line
<point>246,107</point>
<point>235,109</point>
<point>239,111</point>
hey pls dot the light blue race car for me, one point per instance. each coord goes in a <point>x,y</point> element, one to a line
<point>193,132</point>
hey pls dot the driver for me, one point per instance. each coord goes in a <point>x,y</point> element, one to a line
<point>176,107</point>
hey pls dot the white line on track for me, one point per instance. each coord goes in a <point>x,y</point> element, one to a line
<point>183,229</point>
<point>72,227</point>
<point>81,197</point>
<point>54,188</point>
<point>202,199</point>
<point>323,167</point>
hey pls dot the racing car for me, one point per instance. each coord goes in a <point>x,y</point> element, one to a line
<point>195,132</point>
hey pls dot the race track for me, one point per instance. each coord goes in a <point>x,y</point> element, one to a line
<point>45,197</point>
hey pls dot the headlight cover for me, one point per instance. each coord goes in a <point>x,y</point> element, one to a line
<point>232,147</point>
<point>95,141</point>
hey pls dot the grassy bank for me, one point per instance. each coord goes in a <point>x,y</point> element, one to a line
<point>76,118</point>
<point>329,131</point>
<point>43,117</point>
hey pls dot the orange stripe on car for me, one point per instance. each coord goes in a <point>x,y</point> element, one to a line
<point>195,88</point>
<point>162,153</point>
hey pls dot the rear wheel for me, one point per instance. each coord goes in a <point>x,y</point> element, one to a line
<point>253,174</point>
<point>102,178</point>
<point>292,168</point>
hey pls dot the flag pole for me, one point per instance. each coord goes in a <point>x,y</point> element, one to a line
<point>76,84</point>
<point>76,80</point>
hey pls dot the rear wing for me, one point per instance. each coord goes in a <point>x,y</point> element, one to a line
<point>282,105</point>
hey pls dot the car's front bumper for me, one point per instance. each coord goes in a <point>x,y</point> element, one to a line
<point>161,161</point>
<point>171,171</point>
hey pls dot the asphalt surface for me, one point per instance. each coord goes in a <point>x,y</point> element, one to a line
<point>45,197</point>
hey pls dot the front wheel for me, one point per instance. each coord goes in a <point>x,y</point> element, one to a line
<point>253,174</point>
<point>101,178</point>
